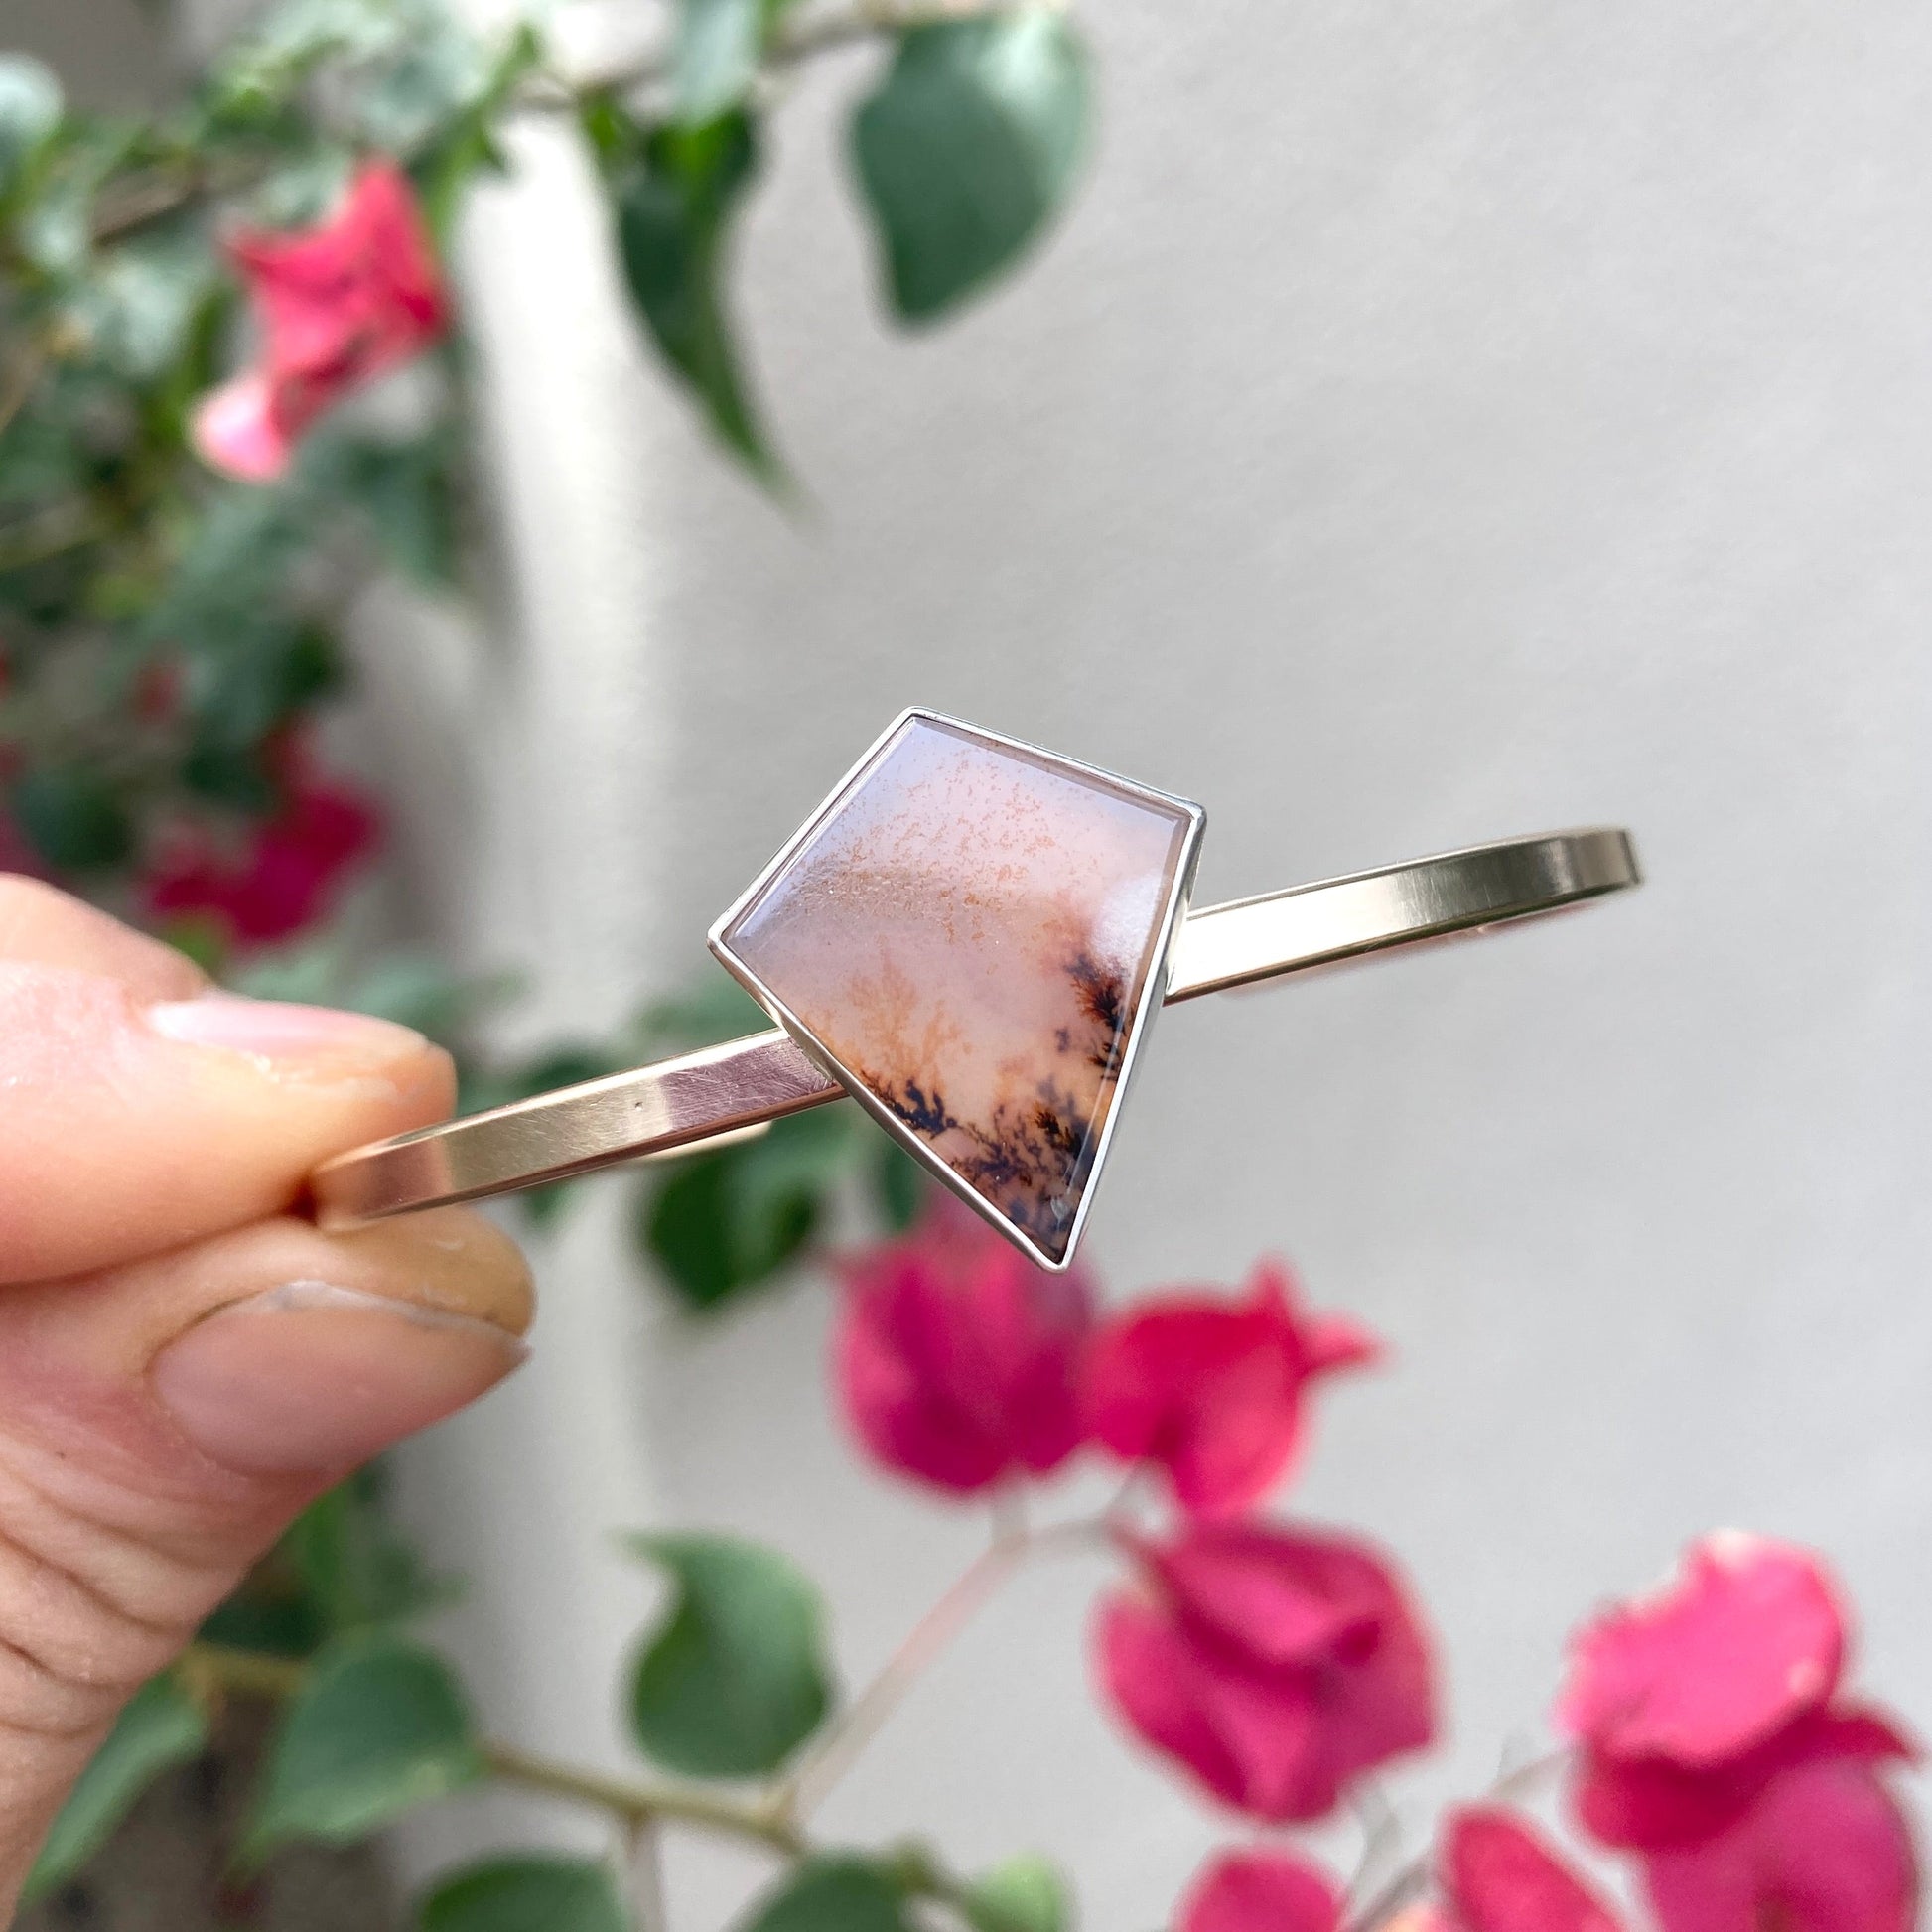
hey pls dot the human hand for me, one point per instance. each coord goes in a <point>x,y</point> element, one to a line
<point>184,1365</point>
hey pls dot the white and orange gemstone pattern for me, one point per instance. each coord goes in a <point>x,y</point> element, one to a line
<point>968,933</point>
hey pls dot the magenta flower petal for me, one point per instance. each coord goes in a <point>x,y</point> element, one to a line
<point>339,305</point>
<point>1275,1665</point>
<point>957,1360</point>
<point>1500,1875</point>
<point>1261,1891</point>
<point>1747,1637</point>
<point>1210,1391</point>
<point>235,428</point>
<point>1824,1849</point>
<point>285,874</point>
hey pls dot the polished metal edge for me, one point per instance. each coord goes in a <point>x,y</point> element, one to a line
<point>720,1093</point>
<point>707,1097</point>
<point>1469,890</point>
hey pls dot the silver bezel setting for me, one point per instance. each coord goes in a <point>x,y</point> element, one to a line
<point>1153,986</point>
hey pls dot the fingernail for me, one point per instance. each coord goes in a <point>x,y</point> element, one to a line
<point>314,1377</point>
<point>278,1032</point>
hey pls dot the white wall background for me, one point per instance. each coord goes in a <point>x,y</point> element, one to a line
<point>1435,421</point>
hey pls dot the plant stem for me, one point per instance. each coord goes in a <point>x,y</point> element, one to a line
<point>645,1804</point>
<point>1409,1880</point>
<point>645,1877</point>
<point>250,1673</point>
<point>160,192</point>
<point>637,1805</point>
<point>60,526</point>
<point>863,20</point>
<point>18,382</point>
<point>836,1753</point>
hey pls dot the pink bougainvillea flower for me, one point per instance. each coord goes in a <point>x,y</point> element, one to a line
<point>1277,1665</point>
<point>1499,1876</point>
<point>957,1360</point>
<point>287,872</point>
<point>1260,1892</point>
<point>1745,1638</point>
<point>1210,1390</point>
<point>1650,1804</point>
<point>1688,1702</point>
<point>339,305</point>
<point>1714,1743</point>
<point>1824,1849</point>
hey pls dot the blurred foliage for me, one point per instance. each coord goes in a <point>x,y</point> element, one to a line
<point>162,1726</point>
<point>1025,1894</point>
<point>378,1725</point>
<point>527,1894</point>
<point>834,1895</point>
<point>170,636</point>
<point>736,1677</point>
<point>167,632</point>
<point>714,1224</point>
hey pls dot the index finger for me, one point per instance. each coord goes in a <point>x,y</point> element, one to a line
<point>131,1123</point>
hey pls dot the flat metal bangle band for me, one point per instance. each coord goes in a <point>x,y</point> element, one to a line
<point>724,1092</point>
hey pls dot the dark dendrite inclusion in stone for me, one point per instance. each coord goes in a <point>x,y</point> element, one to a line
<point>968,932</point>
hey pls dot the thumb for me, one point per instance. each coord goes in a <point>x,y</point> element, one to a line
<point>162,1421</point>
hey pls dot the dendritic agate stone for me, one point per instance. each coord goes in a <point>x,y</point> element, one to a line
<point>968,934</point>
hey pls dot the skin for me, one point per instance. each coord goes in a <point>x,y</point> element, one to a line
<point>184,1363</point>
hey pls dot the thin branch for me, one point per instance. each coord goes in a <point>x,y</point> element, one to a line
<point>835,1754</point>
<point>18,382</point>
<point>645,1877</point>
<point>1410,1881</point>
<point>844,27</point>
<point>862,22</point>
<point>149,197</point>
<point>1381,1834</point>
<point>635,1804</point>
<point>645,1803</point>
<point>59,528</point>
<point>248,1672</point>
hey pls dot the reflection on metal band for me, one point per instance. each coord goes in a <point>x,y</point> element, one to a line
<point>723,1093</point>
<point>1253,939</point>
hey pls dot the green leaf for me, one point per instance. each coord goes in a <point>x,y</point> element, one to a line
<point>1024,1894</point>
<point>674,205</point>
<point>277,1622</point>
<point>968,148</point>
<point>425,996</point>
<point>411,989</point>
<point>716,1007</point>
<point>900,1186</point>
<point>723,1222</point>
<point>425,86</point>
<point>831,1895</point>
<point>561,1066</point>
<point>140,309</point>
<point>544,1207</point>
<point>468,145</point>
<point>72,818</point>
<point>54,225</point>
<point>736,1678</point>
<point>526,1894</point>
<point>240,686</point>
<point>406,492</point>
<point>161,1727</point>
<point>380,1725</point>
<point>31,106</point>
<point>354,1567</point>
